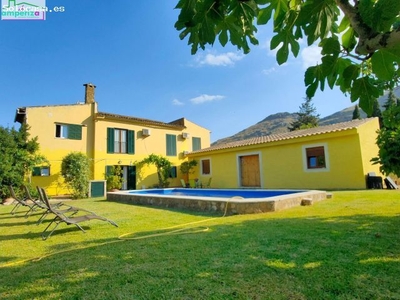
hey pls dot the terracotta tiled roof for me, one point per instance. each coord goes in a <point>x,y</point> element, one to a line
<point>172,125</point>
<point>286,136</point>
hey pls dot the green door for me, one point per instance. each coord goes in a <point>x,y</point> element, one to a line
<point>97,189</point>
<point>131,180</point>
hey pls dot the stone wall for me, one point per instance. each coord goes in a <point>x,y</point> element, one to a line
<point>230,206</point>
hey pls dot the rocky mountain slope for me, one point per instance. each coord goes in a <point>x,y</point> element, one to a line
<point>279,122</point>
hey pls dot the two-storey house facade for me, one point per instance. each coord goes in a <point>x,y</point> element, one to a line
<point>108,140</point>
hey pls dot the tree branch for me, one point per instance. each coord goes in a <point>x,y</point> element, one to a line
<point>385,40</point>
<point>369,40</point>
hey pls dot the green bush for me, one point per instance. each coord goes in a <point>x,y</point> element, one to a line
<point>114,178</point>
<point>75,169</point>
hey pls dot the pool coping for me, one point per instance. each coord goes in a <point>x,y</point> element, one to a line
<point>218,204</point>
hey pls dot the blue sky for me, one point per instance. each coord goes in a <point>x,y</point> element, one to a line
<point>131,51</point>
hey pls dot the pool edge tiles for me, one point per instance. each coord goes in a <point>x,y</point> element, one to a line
<point>236,205</point>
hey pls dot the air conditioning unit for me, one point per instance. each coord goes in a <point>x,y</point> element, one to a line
<point>185,135</point>
<point>145,132</point>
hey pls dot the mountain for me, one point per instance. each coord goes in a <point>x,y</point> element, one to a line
<point>279,122</point>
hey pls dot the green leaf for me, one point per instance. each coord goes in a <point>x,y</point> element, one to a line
<point>282,54</point>
<point>366,92</point>
<point>344,24</point>
<point>330,46</point>
<point>383,63</point>
<point>223,37</point>
<point>264,15</point>
<point>386,13</point>
<point>349,40</point>
<point>313,77</point>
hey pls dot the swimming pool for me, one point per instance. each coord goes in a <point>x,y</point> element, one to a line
<point>233,201</point>
<point>227,193</point>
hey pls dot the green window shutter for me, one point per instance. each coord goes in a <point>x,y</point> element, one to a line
<point>109,170</point>
<point>172,172</point>
<point>196,143</point>
<point>110,140</point>
<point>131,142</point>
<point>171,145</point>
<point>36,171</point>
<point>75,132</point>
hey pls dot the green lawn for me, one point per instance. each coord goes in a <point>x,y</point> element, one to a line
<point>347,247</point>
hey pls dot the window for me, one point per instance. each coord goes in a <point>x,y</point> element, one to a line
<point>315,157</point>
<point>196,143</point>
<point>69,131</point>
<point>205,167</point>
<point>171,145</point>
<point>41,171</point>
<point>120,141</point>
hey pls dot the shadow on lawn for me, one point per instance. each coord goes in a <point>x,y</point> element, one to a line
<point>294,258</point>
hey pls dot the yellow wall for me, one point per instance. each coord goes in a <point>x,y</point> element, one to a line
<point>283,162</point>
<point>42,121</point>
<point>144,146</point>
<point>368,144</point>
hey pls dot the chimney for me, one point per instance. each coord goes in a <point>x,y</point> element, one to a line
<point>89,93</point>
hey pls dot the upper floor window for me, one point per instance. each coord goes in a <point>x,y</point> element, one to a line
<point>120,141</point>
<point>196,143</point>
<point>69,131</point>
<point>171,145</point>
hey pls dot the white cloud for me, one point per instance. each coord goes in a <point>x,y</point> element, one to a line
<point>269,71</point>
<point>206,98</point>
<point>177,102</point>
<point>225,59</point>
<point>311,56</point>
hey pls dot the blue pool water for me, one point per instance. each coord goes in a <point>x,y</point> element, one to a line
<point>216,193</point>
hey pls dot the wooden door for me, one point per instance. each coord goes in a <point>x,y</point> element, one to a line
<point>250,171</point>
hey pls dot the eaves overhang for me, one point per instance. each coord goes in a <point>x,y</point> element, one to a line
<point>138,121</point>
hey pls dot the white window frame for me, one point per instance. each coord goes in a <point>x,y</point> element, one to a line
<point>63,131</point>
<point>305,164</point>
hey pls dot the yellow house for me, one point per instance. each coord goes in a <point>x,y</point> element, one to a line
<point>108,140</point>
<point>326,157</point>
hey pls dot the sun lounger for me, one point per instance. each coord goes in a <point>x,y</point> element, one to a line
<point>22,202</point>
<point>62,217</point>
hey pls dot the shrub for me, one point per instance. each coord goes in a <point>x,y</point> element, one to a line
<point>114,178</point>
<point>76,172</point>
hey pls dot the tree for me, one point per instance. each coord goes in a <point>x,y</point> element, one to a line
<point>19,154</point>
<point>388,139</point>
<point>306,117</point>
<point>391,101</point>
<point>163,166</point>
<point>356,113</point>
<point>359,40</point>
<point>75,168</point>
<point>376,110</point>
<point>187,167</point>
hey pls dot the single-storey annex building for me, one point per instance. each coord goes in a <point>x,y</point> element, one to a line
<point>336,156</point>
